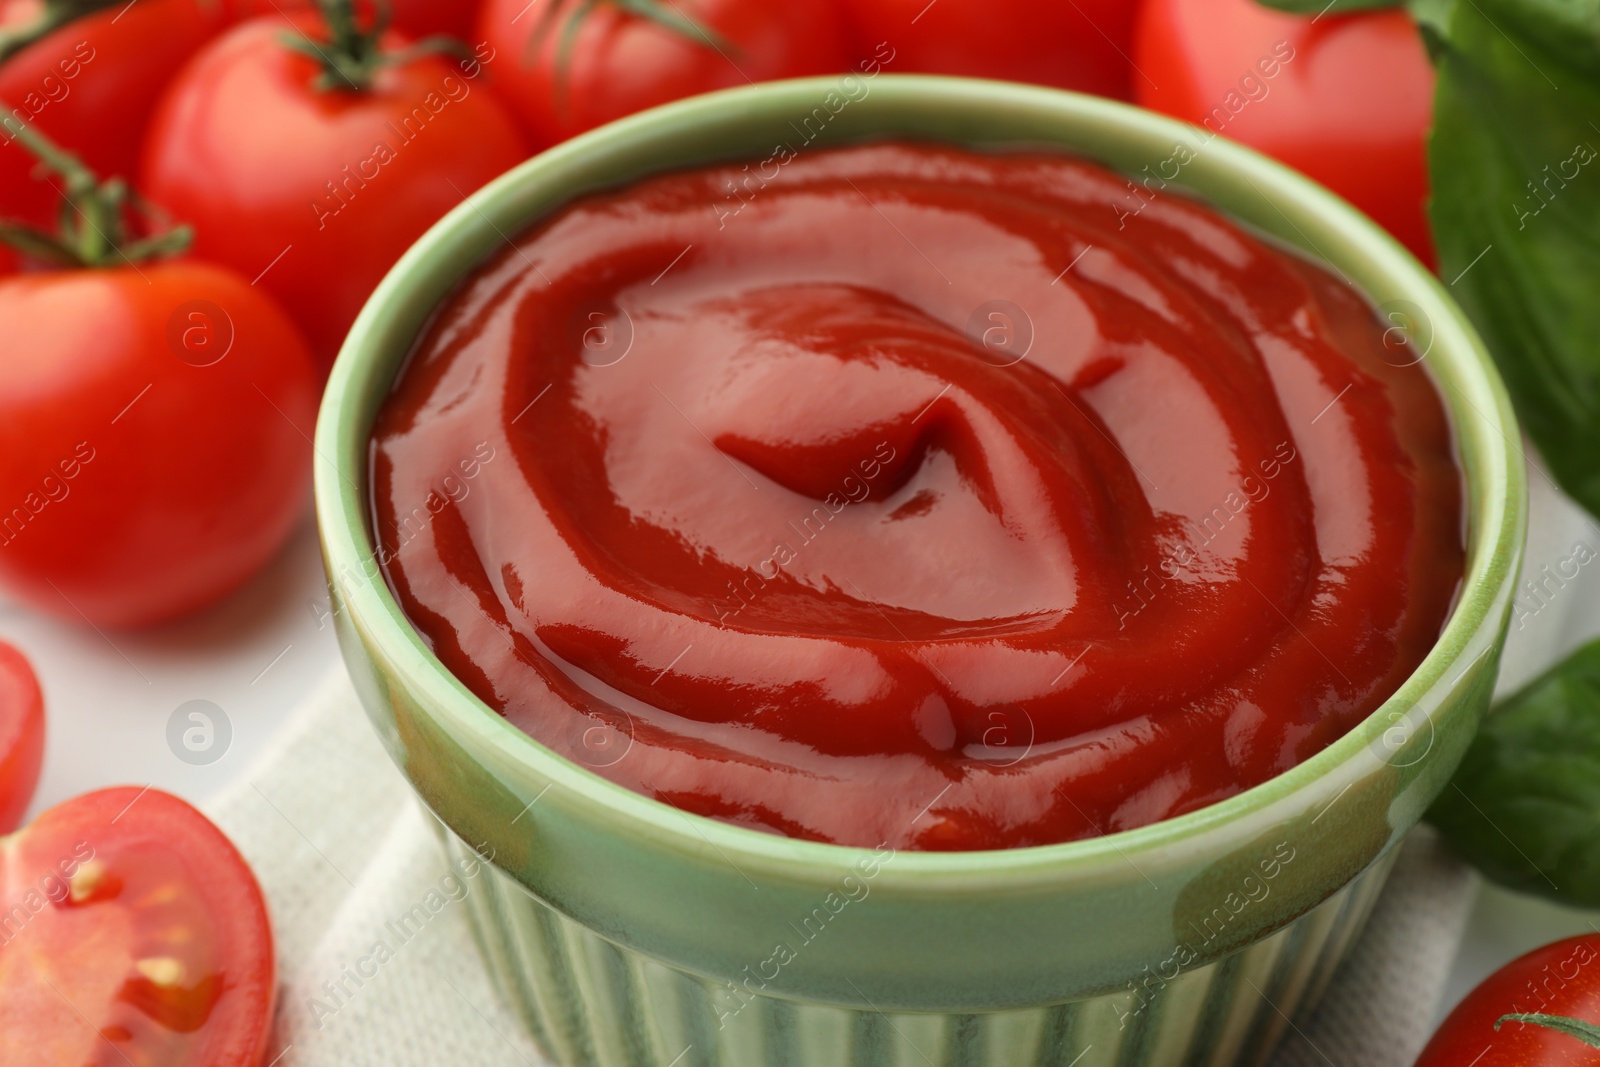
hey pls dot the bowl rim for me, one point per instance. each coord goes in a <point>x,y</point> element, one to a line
<point>1495,514</point>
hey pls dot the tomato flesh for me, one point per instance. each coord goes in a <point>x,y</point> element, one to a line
<point>134,933</point>
<point>21,736</point>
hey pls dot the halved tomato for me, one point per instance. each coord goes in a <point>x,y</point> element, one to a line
<point>21,736</point>
<point>131,932</point>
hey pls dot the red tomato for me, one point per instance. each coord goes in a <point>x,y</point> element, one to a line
<point>90,86</point>
<point>422,18</point>
<point>1346,99</point>
<point>131,921</point>
<point>416,18</point>
<point>134,484</point>
<point>1561,980</point>
<point>318,193</point>
<point>1081,44</point>
<point>21,736</point>
<point>622,63</point>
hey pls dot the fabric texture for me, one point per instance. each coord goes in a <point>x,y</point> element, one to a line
<point>377,965</point>
<point>378,968</point>
<point>1380,1009</point>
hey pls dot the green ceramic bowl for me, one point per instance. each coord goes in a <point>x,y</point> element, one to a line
<point>629,933</point>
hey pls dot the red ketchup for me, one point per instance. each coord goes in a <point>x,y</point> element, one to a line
<point>905,494</point>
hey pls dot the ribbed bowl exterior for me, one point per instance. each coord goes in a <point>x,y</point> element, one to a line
<point>591,1003</point>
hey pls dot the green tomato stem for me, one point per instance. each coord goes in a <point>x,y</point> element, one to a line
<point>1313,7</point>
<point>667,16</point>
<point>351,56</point>
<point>92,230</point>
<point>78,177</point>
<point>1588,1033</point>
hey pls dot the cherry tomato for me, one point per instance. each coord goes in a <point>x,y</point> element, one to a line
<point>91,86</point>
<point>416,18</point>
<point>133,933</point>
<point>317,193</point>
<point>21,736</point>
<point>153,448</point>
<point>421,18</point>
<point>1346,99</point>
<point>622,63</point>
<point>1082,44</point>
<point>1561,980</point>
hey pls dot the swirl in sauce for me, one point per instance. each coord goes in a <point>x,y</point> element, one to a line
<point>934,498</point>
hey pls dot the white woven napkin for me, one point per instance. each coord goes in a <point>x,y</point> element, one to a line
<point>346,858</point>
<point>1380,1010</point>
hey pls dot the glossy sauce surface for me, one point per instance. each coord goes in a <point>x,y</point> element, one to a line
<point>919,496</point>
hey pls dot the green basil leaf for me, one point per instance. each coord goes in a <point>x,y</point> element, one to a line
<point>1515,163</point>
<point>1524,807</point>
<point>1323,7</point>
<point>1433,19</point>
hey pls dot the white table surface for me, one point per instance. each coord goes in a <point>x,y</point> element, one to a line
<point>258,654</point>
